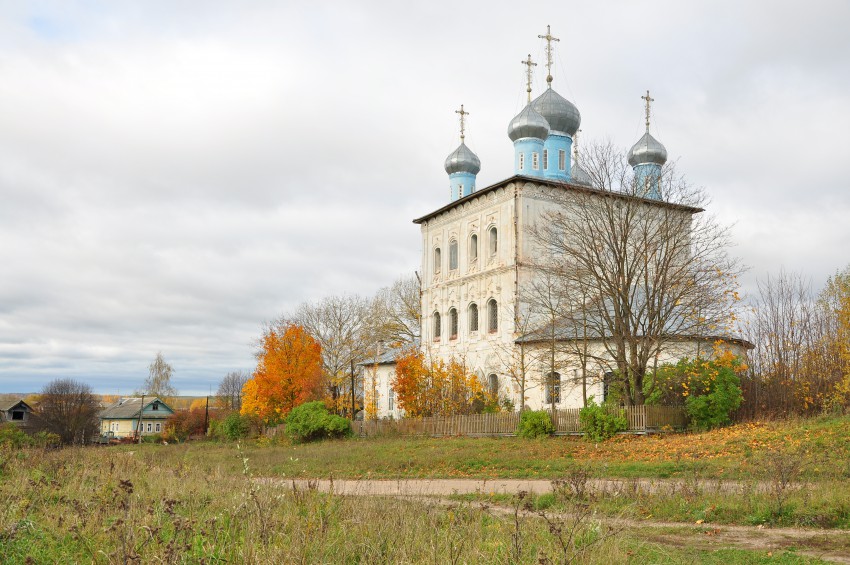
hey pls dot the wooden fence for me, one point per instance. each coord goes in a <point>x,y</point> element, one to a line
<point>642,419</point>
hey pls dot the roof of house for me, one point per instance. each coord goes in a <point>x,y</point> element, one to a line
<point>557,183</point>
<point>388,355</point>
<point>9,405</point>
<point>130,408</point>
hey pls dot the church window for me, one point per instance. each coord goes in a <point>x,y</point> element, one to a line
<point>494,240</point>
<point>545,159</point>
<point>390,399</point>
<point>437,326</point>
<point>553,388</point>
<point>437,260</point>
<point>521,161</point>
<point>493,385</point>
<point>453,324</point>
<point>492,316</point>
<point>453,255</point>
<point>535,161</point>
<point>473,317</point>
<point>473,247</point>
<point>562,160</point>
<point>460,191</point>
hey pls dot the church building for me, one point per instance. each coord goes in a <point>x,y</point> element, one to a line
<point>478,258</point>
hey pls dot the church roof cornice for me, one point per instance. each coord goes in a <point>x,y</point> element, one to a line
<point>553,183</point>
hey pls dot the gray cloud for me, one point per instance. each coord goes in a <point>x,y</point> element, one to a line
<point>172,175</point>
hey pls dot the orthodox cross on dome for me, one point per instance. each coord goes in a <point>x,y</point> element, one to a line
<point>528,64</point>
<point>649,101</point>
<point>549,39</point>
<point>462,114</point>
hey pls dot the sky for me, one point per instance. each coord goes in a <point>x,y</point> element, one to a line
<point>175,174</point>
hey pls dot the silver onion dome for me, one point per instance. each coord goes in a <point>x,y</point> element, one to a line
<point>647,150</point>
<point>579,176</point>
<point>562,115</point>
<point>462,160</point>
<point>528,123</point>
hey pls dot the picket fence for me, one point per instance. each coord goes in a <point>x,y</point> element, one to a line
<point>642,419</point>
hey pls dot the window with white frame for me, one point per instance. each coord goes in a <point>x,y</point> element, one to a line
<point>438,260</point>
<point>492,316</point>
<point>494,240</point>
<point>473,317</point>
<point>553,388</point>
<point>493,385</point>
<point>473,247</point>
<point>535,161</point>
<point>562,160</point>
<point>150,427</point>
<point>453,255</point>
<point>437,326</point>
<point>459,190</point>
<point>521,161</point>
<point>545,159</point>
<point>453,323</point>
<point>390,399</point>
<point>158,427</point>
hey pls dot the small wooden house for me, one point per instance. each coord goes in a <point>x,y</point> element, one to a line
<point>129,417</point>
<point>16,411</point>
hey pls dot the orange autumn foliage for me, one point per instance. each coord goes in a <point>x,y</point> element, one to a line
<point>435,388</point>
<point>288,373</point>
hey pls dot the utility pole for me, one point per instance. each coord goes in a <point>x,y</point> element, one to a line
<point>352,389</point>
<point>207,416</point>
<point>139,427</point>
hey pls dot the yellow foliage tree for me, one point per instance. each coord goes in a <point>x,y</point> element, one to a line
<point>435,388</point>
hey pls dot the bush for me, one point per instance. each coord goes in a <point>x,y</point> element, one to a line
<point>184,423</point>
<point>533,424</point>
<point>598,423</point>
<point>233,427</point>
<point>12,437</point>
<point>312,421</point>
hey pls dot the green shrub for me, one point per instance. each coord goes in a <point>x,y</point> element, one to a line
<point>12,437</point>
<point>598,423</point>
<point>533,424</point>
<point>234,426</point>
<point>312,421</point>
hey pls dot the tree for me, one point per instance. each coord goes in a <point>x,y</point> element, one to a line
<point>640,273</point>
<point>230,389</point>
<point>289,373</point>
<point>431,387</point>
<point>395,312</point>
<point>340,325</point>
<point>158,382</point>
<point>68,409</point>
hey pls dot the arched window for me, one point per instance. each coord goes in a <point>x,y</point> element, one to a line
<point>553,388</point>
<point>452,324</point>
<point>545,159</point>
<point>390,399</point>
<point>473,247</point>
<point>473,317</point>
<point>492,316</point>
<point>494,240</point>
<point>438,260</point>
<point>493,385</point>
<point>453,255</point>
<point>521,161</point>
<point>437,326</point>
<point>535,163</point>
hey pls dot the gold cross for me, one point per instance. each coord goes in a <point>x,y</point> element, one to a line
<point>648,102</point>
<point>549,39</point>
<point>529,64</point>
<point>462,114</point>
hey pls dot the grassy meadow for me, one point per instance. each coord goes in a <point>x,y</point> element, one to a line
<point>197,502</point>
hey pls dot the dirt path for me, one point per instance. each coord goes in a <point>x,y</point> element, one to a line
<point>829,545</point>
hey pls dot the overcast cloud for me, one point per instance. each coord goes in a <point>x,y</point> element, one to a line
<point>172,174</point>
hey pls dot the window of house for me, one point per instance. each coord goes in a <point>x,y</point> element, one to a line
<point>150,427</point>
<point>437,326</point>
<point>452,324</point>
<point>453,255</point>
<point>17,415</point>
<point>492,316</point>
<point>155,406</point>
<point>437,260</point>
<point>473,317</point>
<point>390,399</point>
<point>494,240</point>
<point>158,427</point>
<point>535,164</point>
<point>473,247</point>
<point>521,161</point>
<point>545,159</point>
<point>493,385</point>
<point>562,160</point>
<point>553,388</point>
<point>607,380</point>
